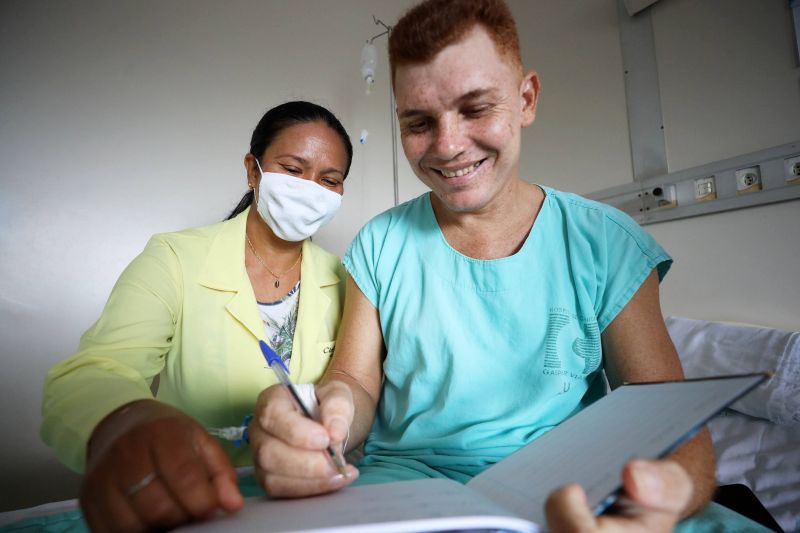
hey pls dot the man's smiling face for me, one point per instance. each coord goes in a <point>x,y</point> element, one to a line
<point>461,116</point>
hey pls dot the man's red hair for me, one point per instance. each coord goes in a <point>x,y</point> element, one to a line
<point>427,28</point>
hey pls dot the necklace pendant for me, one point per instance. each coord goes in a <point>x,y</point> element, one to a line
<point>277,283</point>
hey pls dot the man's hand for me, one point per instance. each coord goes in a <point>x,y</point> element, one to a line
<point>290,451</point>
<point>153,467</point>
<point>655,495</point>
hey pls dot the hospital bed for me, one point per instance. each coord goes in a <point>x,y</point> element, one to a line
<point>757,440</point>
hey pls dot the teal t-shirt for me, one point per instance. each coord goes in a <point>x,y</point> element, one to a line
<point>483,356</point>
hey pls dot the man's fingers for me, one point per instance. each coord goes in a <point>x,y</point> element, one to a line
<point>290,450</point>
<point>278,457</point>
<point>336,409</point>
<point>656,493</point>
<point>278,416</point>
<point>566,510</point>
<point>293,428</point>
<point>279,486</point>
<point>658,485</point>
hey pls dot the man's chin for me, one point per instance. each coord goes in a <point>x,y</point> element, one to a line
<point>460,202</point>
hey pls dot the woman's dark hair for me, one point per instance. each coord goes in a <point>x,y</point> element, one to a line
<point>284,116</point>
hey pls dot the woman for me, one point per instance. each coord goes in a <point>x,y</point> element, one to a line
<point>184,320</point>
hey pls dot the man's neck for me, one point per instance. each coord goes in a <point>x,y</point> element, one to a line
<point>499,229</point>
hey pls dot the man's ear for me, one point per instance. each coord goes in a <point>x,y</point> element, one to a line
<point>529,97</point>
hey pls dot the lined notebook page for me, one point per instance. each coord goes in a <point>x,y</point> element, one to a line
<point>402,507</point>
<point>643,420</point>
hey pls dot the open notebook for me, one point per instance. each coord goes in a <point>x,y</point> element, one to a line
<point>590,448</point>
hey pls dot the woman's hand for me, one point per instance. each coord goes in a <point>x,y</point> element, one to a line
<point>290,451</point>
<point>150,466</point>
<point>656,494</point>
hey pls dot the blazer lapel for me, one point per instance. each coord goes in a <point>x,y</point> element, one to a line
<point>224,271</point>
<point>314,304</point>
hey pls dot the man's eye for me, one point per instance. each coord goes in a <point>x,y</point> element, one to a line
<point>417,126</point>
<point>477,111</point>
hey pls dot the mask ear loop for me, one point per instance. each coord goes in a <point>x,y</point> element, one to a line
<point>254,188</point>
<point>258,165</point>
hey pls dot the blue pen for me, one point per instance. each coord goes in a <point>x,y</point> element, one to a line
<point>277,365</point>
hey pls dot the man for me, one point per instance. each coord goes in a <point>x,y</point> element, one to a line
<point>482,314</point>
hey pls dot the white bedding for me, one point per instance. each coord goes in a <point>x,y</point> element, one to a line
<point>757,442</point>
<point>765,457</point>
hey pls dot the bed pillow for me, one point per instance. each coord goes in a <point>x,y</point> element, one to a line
<point>717,348</point>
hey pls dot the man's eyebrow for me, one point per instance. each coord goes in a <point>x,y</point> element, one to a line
<point>411,113</point>
<point>475,94</point>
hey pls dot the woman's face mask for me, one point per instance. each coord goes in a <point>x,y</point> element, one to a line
<point>294,208</point>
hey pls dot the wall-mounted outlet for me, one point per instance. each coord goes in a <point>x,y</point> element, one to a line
<point>705,189</point>
<point>791,168</point>
<point>665,196</point>
<point>748,180</point>
<point>658,197</point>
<point>773,173</point>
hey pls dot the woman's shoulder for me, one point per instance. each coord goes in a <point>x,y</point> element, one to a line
<point>191,249</point>
<point>320,254</point>
<point>202,235</point>
<point>323,260</point>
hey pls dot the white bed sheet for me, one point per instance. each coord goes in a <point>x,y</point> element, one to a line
<point>757,441</point>
<point>764,456</point>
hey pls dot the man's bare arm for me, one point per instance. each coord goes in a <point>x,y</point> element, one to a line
<point>358,359</point>
<point>637,347</point>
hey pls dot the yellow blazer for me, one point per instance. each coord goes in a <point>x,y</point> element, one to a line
<point>184,310</point>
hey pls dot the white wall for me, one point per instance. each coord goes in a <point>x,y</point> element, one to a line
<point>121,120</point>
<point>730,85</point>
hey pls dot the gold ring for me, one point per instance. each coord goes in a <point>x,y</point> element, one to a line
<point>139,485</point>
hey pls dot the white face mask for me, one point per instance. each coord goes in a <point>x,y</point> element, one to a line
<point>294,208</point>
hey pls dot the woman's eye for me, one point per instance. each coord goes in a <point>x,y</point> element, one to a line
<point>292,170</point>
<point>330,182</point>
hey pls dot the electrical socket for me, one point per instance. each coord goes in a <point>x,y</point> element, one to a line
<point>748,180</point>
<point>791,168</point>
<point>659,197</point>
<point>705,189</point>
<point>665,196</point>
